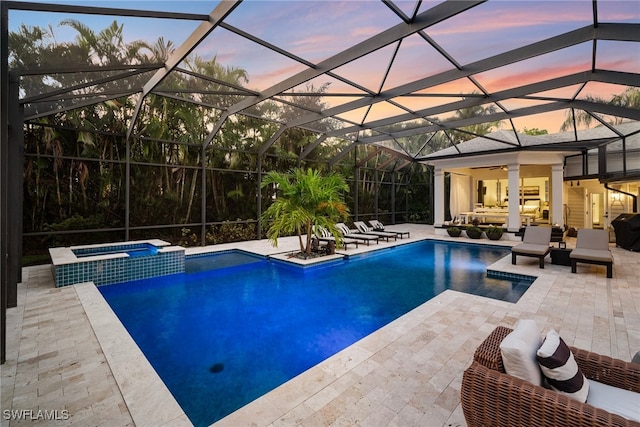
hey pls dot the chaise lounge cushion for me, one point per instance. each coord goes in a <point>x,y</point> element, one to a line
<point>560,368</point>
<point>518,351</point>
<point>532,249</point>
<point>591,255</point>
<point>625,403</point>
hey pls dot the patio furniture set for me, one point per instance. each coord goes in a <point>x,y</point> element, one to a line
<point>353,236</point>
<point>518,378</point>
<point>592,247</point>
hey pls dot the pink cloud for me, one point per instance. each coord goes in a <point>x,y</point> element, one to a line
<point>316,46</point>
<point>493,20</point>
<point>264,80</point>
<point>461,86</point>
<point>505,79</point>
<point>365,32</point>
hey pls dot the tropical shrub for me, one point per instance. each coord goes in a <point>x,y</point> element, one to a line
<point>474,232</point>
<point>494,233</point>
<point>454,231</point>
<point>304,199</point>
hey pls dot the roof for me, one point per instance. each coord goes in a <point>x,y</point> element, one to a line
<point>401,78</point>
<point>503,140</point>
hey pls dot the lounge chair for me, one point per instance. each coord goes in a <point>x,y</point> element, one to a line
<point>355,234</point>
<point>362,227</point>
<point>535,243</point>
<point>323,235</point>
<point>378,226</point>
<point>592,247</point>
<point>491,397</point>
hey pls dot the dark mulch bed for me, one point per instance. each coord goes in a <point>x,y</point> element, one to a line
<point>301,255</point>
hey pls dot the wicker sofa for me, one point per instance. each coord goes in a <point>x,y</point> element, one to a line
<point>490,397</point>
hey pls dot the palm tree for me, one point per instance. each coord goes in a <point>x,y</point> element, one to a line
<point>630,98</point>
<point>304,199</point>
<point>582,118</point>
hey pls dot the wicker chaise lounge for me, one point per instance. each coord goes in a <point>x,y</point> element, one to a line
<point>592,247</point>
<point>490,397</point>
<point>535,243</point>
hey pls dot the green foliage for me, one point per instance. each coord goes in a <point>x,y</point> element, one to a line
<point>492,229</point>
<point>472,131</point>
<point>29,260</point>
<point>77,222</point>
<point>494,233</point>
<point>227,232</point>
<point>74,223</point>
<point>454,231</point>
<point>474,232</point>
<point>304,198</point>
<point>231,232</point>
<point>535,131</point>
<point>189,238</point>
<point>630,98</point>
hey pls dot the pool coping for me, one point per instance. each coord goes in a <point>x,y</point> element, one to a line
<point>148,399</point>
<point>150,402</point>
<point>65,255</point>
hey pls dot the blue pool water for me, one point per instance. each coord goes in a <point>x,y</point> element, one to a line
<point>221,338</point>
<point>139,250</point>
<point>225,259</point>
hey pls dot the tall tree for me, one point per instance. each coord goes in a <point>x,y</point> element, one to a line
<point>470,132</point>
<point>630,98</point>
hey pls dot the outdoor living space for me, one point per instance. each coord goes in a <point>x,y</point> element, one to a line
<point>149,146</point>
<point>68,353</point>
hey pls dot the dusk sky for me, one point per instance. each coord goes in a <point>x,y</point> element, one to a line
<point>317,30</point>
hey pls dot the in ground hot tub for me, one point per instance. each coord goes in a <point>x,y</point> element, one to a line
<point>138,249</point>
<point>115,262</point>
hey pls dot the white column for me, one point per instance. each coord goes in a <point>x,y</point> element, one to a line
<point>556,208</point>
<point>438,197</point>
<point>513,224</point>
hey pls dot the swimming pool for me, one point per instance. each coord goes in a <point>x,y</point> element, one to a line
<point>221,338</point>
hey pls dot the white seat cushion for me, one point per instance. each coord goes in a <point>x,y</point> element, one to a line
<point>518,350</point>
<point>615,400</point>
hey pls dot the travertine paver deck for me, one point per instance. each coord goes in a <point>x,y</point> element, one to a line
<point>66,354</point>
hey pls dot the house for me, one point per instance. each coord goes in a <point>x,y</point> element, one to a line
<point>580,180</point>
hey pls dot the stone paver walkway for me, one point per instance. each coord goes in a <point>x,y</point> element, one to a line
<point>68,357</point>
